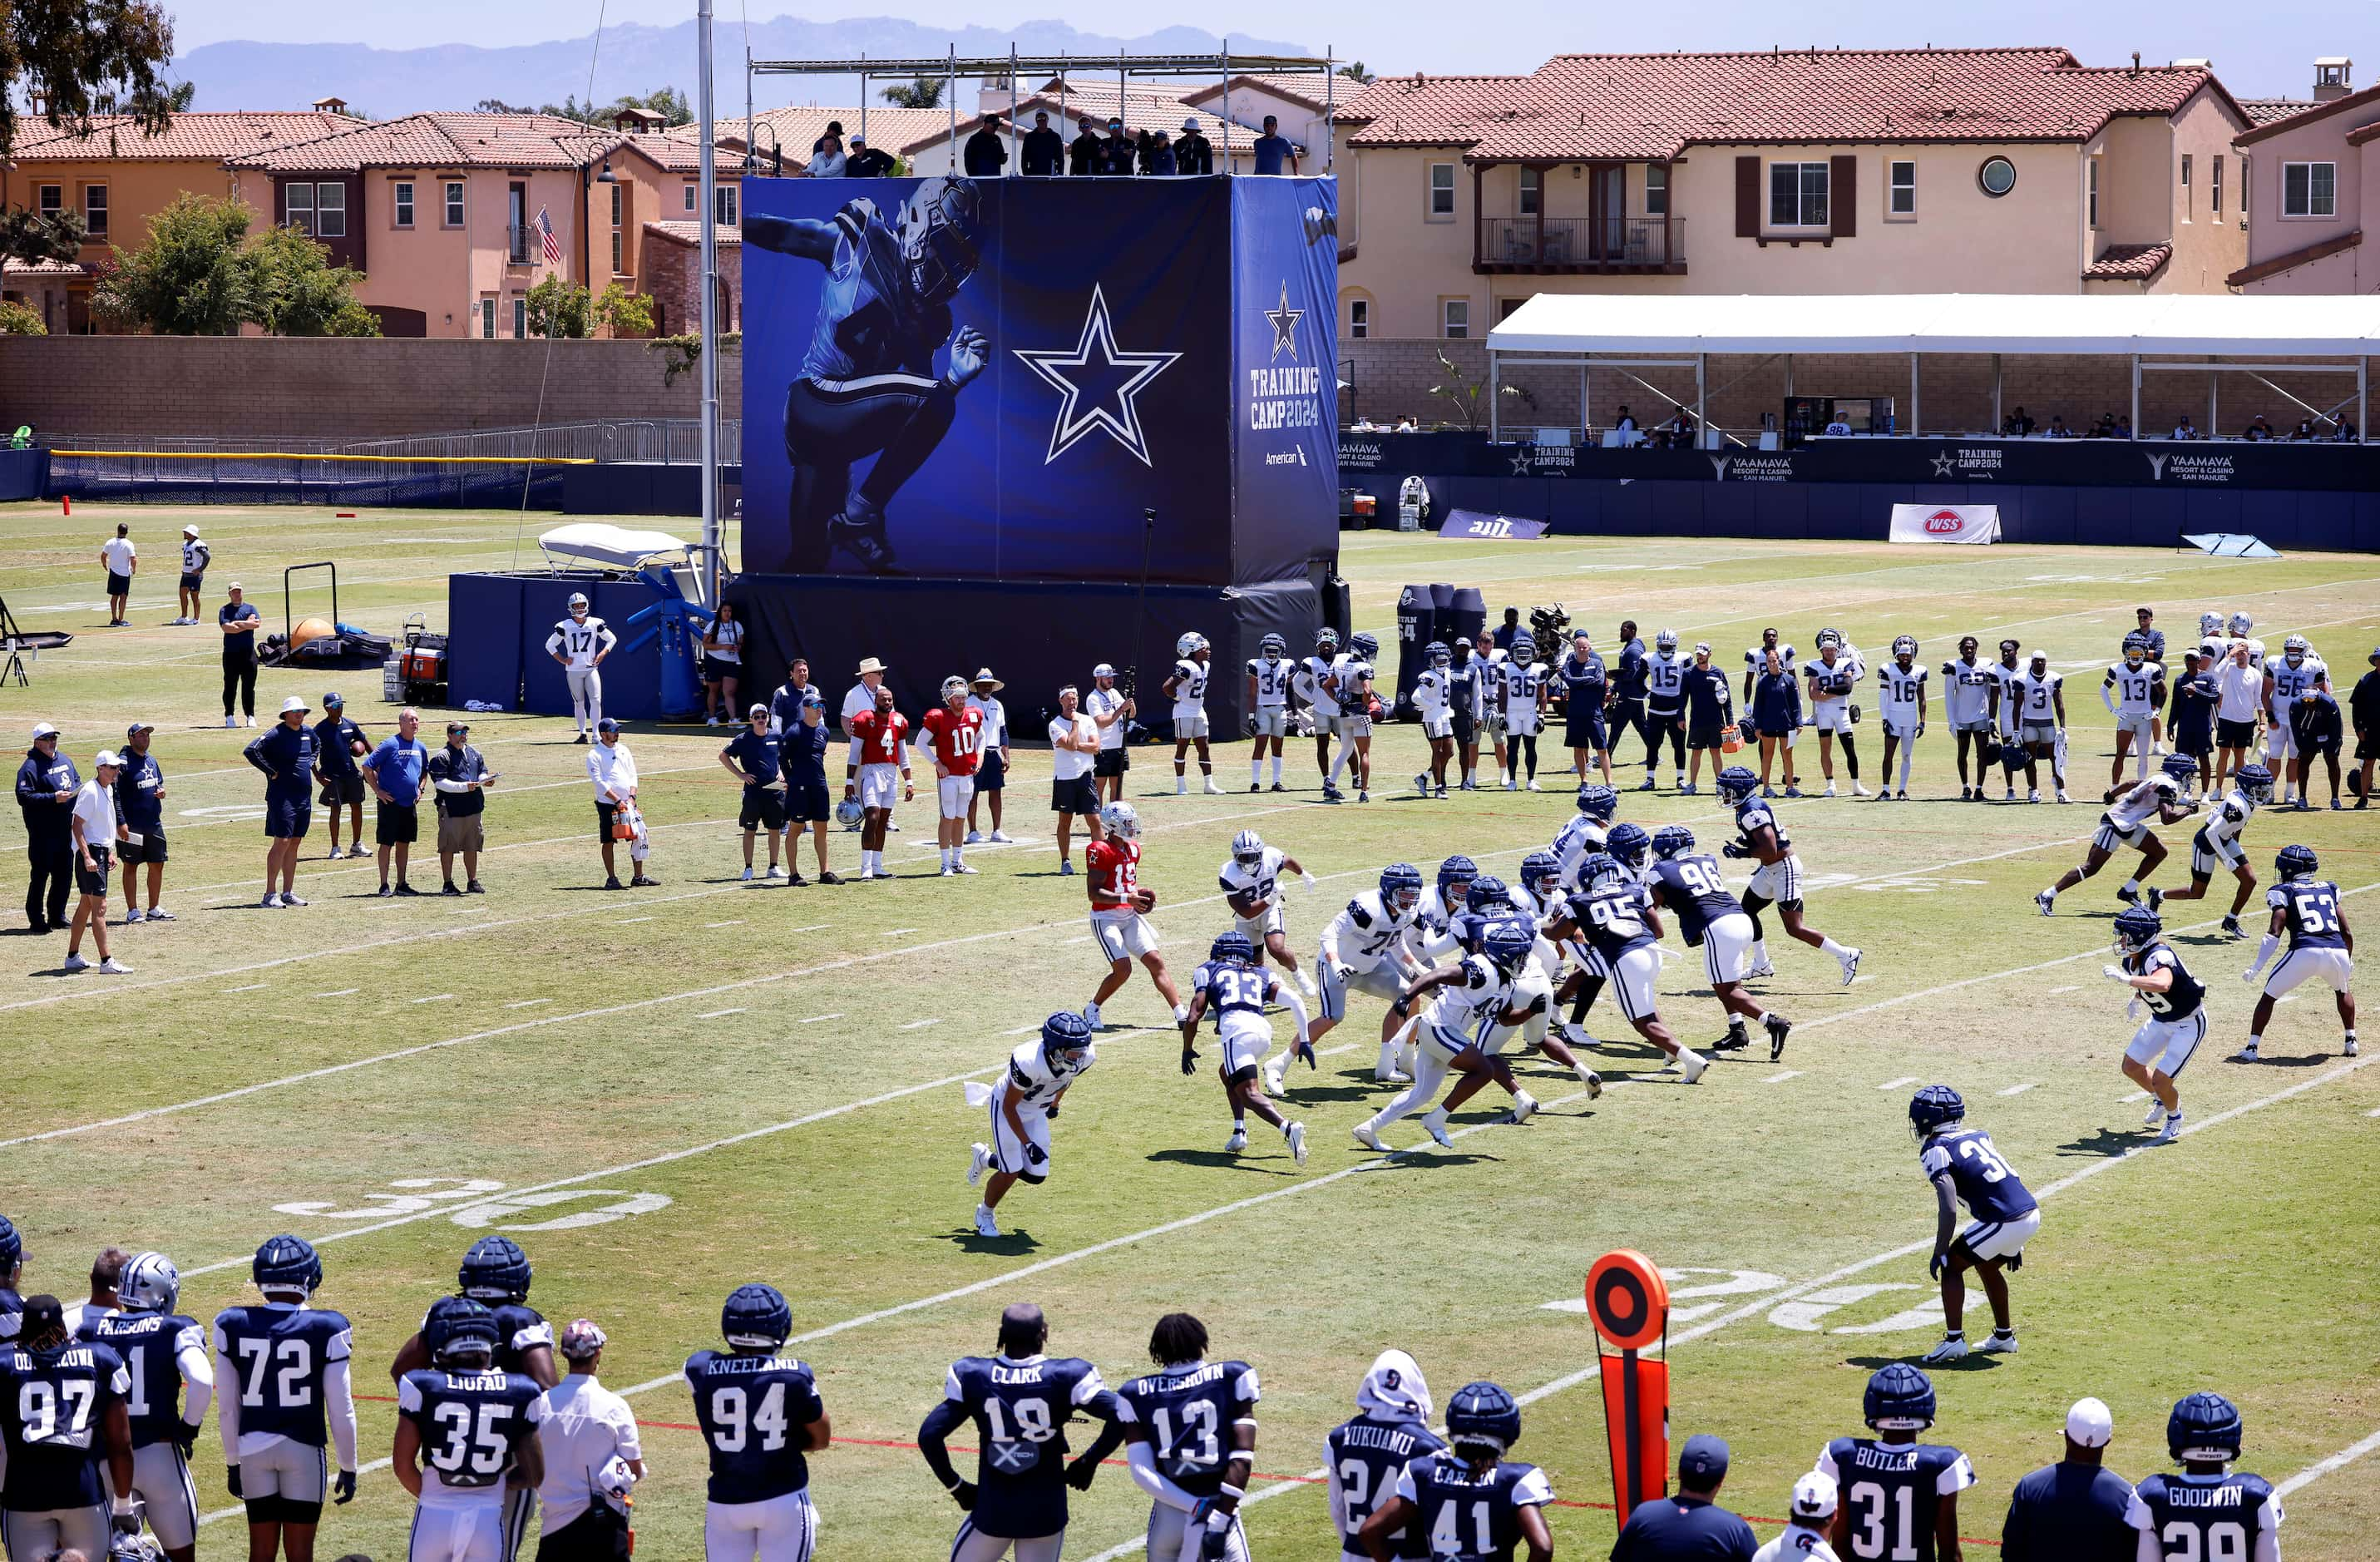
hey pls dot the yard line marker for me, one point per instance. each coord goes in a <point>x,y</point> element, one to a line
<point>920,1024</point>
<point>1896,1084</point>
<point>718,1014</point>
<point>814,927</point>
<point>626,920</point>
<point>528,1003</point>
<point>1781,1078</point>
<point>2373,1113</point>
<point>895,932</point>
<point>2128,1100</point>
<point>1022,1030</point>
<point>251,987</point>
<point>736,923</point>
<point>817,1019</point>
<point>2323,1467</point>
<point>2055,991</point>
<point>1081,938</point>
<point>342,993</point>
<point>434,998</point>
<point>2019,1090</point>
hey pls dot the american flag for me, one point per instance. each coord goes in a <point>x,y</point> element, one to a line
<point>552,243</point>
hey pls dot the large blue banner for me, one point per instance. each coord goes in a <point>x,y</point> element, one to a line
<point>995,379</point>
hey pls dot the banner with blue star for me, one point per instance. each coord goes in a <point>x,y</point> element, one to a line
<point>1285,373</point>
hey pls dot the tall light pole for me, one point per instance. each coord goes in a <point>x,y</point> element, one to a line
<point>706,590</point>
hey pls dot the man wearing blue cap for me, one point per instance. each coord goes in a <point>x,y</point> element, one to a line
<point>140,803</point>
<point>801,757</point>
<point>1690,1527</point>
<point>338,744</point>
<point>285,753</point>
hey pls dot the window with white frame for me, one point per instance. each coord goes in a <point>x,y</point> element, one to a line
<point>1900,190</point>
<point>1656,190</point>
<point>330,210</point>
<point>693,195</point>
<point>2214,188</point>
<point>51,200</point>
<point>1441,192</point>
<point>298,205</point>
<point>1455,318</point>
<point>1797,195</point>
<point>2093,201</point>
<point>724,205</point>
<point>1532,191</point>
<point>2189,196</point>
<point>1359,318</point>
<point>2308,190</point>
<point>2245,163</point>
<point>94,210</point>
<point>454,205</point>
<point>615,205</point>
<point>403,192</point>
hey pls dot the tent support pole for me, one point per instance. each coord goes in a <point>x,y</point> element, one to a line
<point>1916,421</point>
<point>2214,402</point>
<point>1495,395</point>
<point>2361,364</point>
<point>1997,421</point>
<point>2136,395</point>
<point>1701,411</point>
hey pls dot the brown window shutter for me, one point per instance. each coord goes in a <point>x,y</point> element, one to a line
<point>1842,196</point>
<point>1747,198</point>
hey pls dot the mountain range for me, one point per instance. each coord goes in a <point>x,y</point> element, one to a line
<point>386,82</point>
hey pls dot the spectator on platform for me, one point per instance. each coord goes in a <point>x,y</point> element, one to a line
<point>1044,155</point>
<point>2057,429</point>
<point>2104,428</point>
<point>1837,428</point>
<point>1273,153</point>
<point>1122,156</point>
<point>1086,154</point>
<point>1677,433</point>
<point>867,162</point>
<point>1160,155</point>
<point>2123,429</point>
<point>828,160</point>
<point>2183,428</point>
<point>1625,425</point>
<point>1409,424</point>
<point>2017,425</point>
<point>1193,152</point>
<point>2344,432</point>
<point>2303,433</point>
<point>2073,1510</point>
<point>985,154</point>
<point>2257,429</point>
<point>237,619</point>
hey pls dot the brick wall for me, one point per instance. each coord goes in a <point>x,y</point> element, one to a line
<point>1393,376</point>
<point>170,386</point>
<point>673,276</point>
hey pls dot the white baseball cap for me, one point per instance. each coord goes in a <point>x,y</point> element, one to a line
<point>1103,671</point>
<point>2089,1424</point>
<point>1814,1496</point>
<point>43,729</point>
<point>107,758</point>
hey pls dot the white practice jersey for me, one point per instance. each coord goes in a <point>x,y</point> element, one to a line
<point>2228,818</point>
<point>1432,694</point>
<point>2036,698</point>
<point>1579,838</point>
<point>2290,682</point>
<point>1757,658</point>
<point>1190,688</point>
<point>1364,933</point>
<point>1348,675</point>
<point>1261,878</point>
<point>1482,992</point>
<point>1272,682</point>
<point>581,641</point>
<point>2135,687</point>
<point>1968,687</point>
<point>1522,681</point>
<point>2143,801</point>
<point>1665,679</point>
<point>1832,682</point>
<point>1307,679</point>
<point>1430,920</point>
<point>2004,679</point>
<point>1899,688</point>
<point>1035,1079</point>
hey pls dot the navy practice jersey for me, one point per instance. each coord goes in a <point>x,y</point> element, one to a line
<point>1189,1414</point>
<point>1365,1458</point>
<point>151,1345</point>
<point>870,319</point>
<point>518,1329</point>
<point>753,1410</point>
<point>2309,910</point>
<point>1611,919</point>
<point>1891,1491</point>
<point>1751,815</point>
<point>1985,1183</point>
<point>472,1424</point>
<point>1692,888</point>
<point>278,1355</point>
<point>1020,1410</point>
<point>53,1404</point>
<point>2178,1002</point>
<point>12,1315</point>
<point>1233,988</point>
<point>2206,1518</point>
<point>1467,1515</point>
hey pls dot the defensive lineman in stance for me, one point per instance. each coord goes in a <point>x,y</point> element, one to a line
<point>1022,1103</point>
<point>1251,882</point>
<point>1711,920</point>
<point>1192,1429</point>
<point>1234,989</point>
<point>1474,992</point>
<point>2177,1022</point>
<point>579,644</point>
<point>2217,844</point>
<point>1019,1401</point>
<point>286,1392</point>
<point>1964,1168</point>
<point>2207,1510</point>
<point>2127,821</point>
<point>164,1355</point>
<point>1269,680</point>
<point>465,1430</point>
<point>2321,946</point>
<point>1468,1500</point>
<point>760,1417</point>
<point>1364,950</point>
<point>1362,1458</point>
<point>1899,1498</point>
<point>1777,881</point>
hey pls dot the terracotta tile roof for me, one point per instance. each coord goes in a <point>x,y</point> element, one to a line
<point>442,141</point>
<point>2292,259</point>
<point>2127,263</point>
<point>2307,113</point>
<point>46,268</point>
<point>1656,106</point>
<point>1298,89</point>
<point>798,130</point>
<point>1098,102</point>
<point>2264,111</point>
<point>192,136</point>
<point>691,233</point>
<point>676,154</point>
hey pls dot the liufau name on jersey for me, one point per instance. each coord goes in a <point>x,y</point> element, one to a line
<point>285,1391</point>
<point>170,1382</point>
<point>1363,1459</point>
<point>1965,1170</point>
<point>760,1418</point>
<point>1898,1498</point>
<point>1467,1500</point>
<point>465,1431</point>
<point>2208,1510</point>
<point>2321,947</point>
<point>1019,1401</point>
<point>66,1433</point>
<point>2177,1023</point>
<point>1191,1434</point>
<point>1364,950</point>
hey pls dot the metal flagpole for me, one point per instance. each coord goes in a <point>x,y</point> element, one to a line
<point>751,156</point>
<point>1227,103</point>
<point>952,94</point>
<point>1013,145</point>
<point>865,81</point>
<point>706,583</point>
<point>1329,130</point>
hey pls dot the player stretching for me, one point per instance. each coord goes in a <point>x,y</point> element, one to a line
<point>1709,919</point>
<point>1187,686</point>
<point>165,1355</point>
<point>1019,1401</point>
<point>1467,1500</point>
<point>1251,881</point>
<point>1192,1431</point>
<point>2177,1022</point>
<point>1900,690</point>
<point>1900,1496</point>
<point>1321,709</point>
<point>1778,879</point>
<point>1611,919</point>
<point>1269,678</point>
<point>1473,993</point>
<point>2207,1510</point>
<point>1364,951</point>
<point>2159,799</point>
<point>2133,692</point>
<point>1022,1103</point>
<point>2217,844</point>
<point>1234,989</point>
<point>579,644</point>
<point>1349,685</point>
<point>460,1484</point>
<point>1363,1458</point>
<point>2321,946</point>
<point>1964,1168</point>
<point>760,1418</point>
<point>1119,912</point>
<point>286,1391</point>
<point>1433,698</point>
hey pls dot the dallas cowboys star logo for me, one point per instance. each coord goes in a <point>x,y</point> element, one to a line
<point>1943,463</point>
<point>1284,324</point>
<point>1097,384</point>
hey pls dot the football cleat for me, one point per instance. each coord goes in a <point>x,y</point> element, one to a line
<point>1778,1028</point>
<point>2047,901</point>
<point>985,1225</point>
<point>1525,1106</point>
<point>2002,1342</point>
<point>1692,1063</point>
<point>1952,1349</point>
<point>1591,1079</point>
<point>1368,1137</point>
<point>980,1158</point>
<point>2172,1129</point>
<point>1851,967</point>
<point>1295,1134</point>
<point>1237,1142</point>
<point>2157,1114</point>
<point>2246,1054</point>
<point>1435,1122</point>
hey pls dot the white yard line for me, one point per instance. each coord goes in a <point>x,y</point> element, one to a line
<point>1781,1078</point>
<point>2323,1467</point>
<point>2019,1090</point>
<point>1896,1084</point>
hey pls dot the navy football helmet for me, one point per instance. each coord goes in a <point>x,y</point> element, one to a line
<point>2181,767</point>
<point>755,1316</point>
<point>1508,943</point>
<point>1485,891</point>
<point>2137,927</point>
<point>2255,781</point>
<point>1672,841</point>
<point>1934,1106</point>
<point>1629,843</point>
<point>2296,862</point>
<point>1400,886</point>
<point>1439,654</point>
<point>1539,871</point>
<point>1599,802</point>
<point>1900,1398</point>
<point>1483,1413</point>
<point>1363,643</point>
<point>1454,875</point>
<point>1737,783</point>
<point>2204,1426</point>
<point>1232,947</point>
<point>457,1326</point>
<point>1065,1031</point>
<point>150,1283</point>
<point>1599,868</point>
<point>495,1270</point>
<point>12,1246</point>
<point>287,1263</point>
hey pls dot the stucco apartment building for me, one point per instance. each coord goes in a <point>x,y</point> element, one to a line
<point>2314,181</point>
<point>1835,171</point>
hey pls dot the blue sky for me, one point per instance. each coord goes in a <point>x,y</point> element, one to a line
<point>2258,51</point>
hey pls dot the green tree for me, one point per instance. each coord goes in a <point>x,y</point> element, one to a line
<point>624,313</point>
<point>299,293</point>
<point>189,279</point>
<point>71,58</point>
<point>18,319</point>
<point>558,308</point>
<point>924,92</point>
<point>667,101</point>
<point>1354,71</point>
<point>26,235</point>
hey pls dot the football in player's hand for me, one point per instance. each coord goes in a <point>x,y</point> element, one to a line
<point>1144,900</point>
<point>1245,903</point>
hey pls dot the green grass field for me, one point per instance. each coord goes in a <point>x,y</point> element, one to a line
<point>667,1093</point>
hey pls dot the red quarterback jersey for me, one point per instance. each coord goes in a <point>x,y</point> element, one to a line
<point>1114,874</point>
<point>956,737</point>
<point>879,734</point>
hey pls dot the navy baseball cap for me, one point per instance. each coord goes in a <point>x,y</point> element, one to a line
<point>607,725</point>
<point>1704,1460</point>
<point>332,701</point>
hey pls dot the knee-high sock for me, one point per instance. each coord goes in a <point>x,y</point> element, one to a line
<point>1851,753</point>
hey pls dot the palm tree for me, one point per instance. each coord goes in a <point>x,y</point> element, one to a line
<point>925,92</point>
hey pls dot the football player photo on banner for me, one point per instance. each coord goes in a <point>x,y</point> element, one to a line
<point>988,379</point>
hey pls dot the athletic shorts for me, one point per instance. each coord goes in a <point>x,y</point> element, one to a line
<point>2041,733</point>
<point>1703,734</point>
<point>1441,725</point>
<point>990,771</point>
<point>2000,1239</point>
<point>194,582</point>
<point>780,1528</point>
<point>1073,794</point>
<point>2141,725</point>
<point>2209,853</point>
<point>2229,734</point>
<point>1354,725</point>
<point>118,585</point>
<point>955,792</point>
<point>1008,1150</point>
<point>1172,1537</point>
<point>290,1478</point>
<point>764,809</point>
<point>1111,761</point>
<point>462,832</point>
<point>469,1531</point>
<point>1899,721</point>
<point>880,784</point>
<point>2111,835</point>
<point>1727,949</point>
<point>2310,963</point>
<point>1463,725</point>
<point>339,790</point>
<point>397,824</point>
<point>716,671</point>
<point>44,1532</point>
<point>2167,1045</point>
<point>288,818</point>
<point>1123,934</point>
<point>93,879</point>
<point>1442,1043</point>
<point>1631,979</point>
<point>1272,721</point>
<point>149,847</point>
<point>2368,746</point>
<point>1780,883</point>
<point>1584,730</point>
<point>1380,980</point>
<point>1834,716</point>
<point>1326,723</point>
<point>1189,724</point>
<point>2280,740</point>
<point>1245,1048</point>
<point>1980,725</point>
<point>808,804</point>
<point>1264,923</point>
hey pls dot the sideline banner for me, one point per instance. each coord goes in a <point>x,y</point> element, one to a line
<point>1478,526</point>
<point>1946,523</point>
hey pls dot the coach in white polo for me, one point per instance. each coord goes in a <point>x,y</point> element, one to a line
<point>1073,745</point>
<point>858,701</point>
<point>592,1458</point>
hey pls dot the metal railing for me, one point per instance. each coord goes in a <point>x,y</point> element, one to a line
<point>669,441</point>
<point>1583,243</point>
<point>520,243</point>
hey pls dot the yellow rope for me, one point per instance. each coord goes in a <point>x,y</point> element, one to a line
<point>304,455</point>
